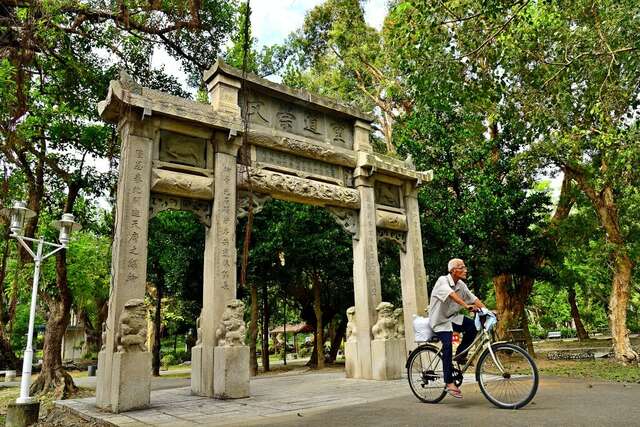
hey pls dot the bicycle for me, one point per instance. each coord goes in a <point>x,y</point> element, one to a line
<point>506,373</point>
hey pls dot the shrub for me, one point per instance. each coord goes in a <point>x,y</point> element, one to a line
<point>168,360</point>
<point>181,356</point>
<point>537,332</point>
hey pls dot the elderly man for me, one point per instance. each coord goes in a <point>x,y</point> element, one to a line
<point>449,295</point>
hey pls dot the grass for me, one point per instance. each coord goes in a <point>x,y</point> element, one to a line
<point>9,395</point>
<point>575,344</point>
<point>603,370</point>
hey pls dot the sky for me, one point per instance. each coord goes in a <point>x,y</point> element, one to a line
<point>271,22</point>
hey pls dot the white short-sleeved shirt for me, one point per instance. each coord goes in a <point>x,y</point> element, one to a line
<point>443,311</point>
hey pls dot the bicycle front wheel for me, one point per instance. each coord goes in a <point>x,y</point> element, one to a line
<point>510,380</point>
<point>426,378</point>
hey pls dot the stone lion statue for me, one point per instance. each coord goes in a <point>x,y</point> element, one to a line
<point>385,327</point>
<point>104,336</point>
<point>351,324</point>
<point>232,329</point>
<point>132,332</point>
<point>399,317</point>
<point>198,330</point>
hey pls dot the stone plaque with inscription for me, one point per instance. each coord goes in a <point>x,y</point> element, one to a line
<point>302,166</point>
<point>292,118</point>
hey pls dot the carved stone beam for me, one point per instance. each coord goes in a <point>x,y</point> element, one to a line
<point>243,203</point>
<point>398,237</point>
<point>124,95</point>
<point>181,184</point>
<point>301,146</point>
<point>292,188</point>
<point>161,202</point>
<point>391,220</point>
<point>347,219</point>
<point>386,165</point>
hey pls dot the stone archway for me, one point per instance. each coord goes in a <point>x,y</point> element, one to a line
<point>177,153</point>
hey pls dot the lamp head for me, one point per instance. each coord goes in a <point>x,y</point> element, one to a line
<point>66,225</point>
<point>18,214</point>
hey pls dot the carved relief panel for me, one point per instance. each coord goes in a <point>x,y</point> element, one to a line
<point>387,194</point>
<point>182,149</point>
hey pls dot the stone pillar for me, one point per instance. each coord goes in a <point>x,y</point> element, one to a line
<point>219,264</point>
<point>366,269</point>
<point>413,276</point>
<point>129,251</point>
<point>223,94</point>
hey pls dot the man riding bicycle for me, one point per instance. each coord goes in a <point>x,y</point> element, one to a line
<point>449,295</point>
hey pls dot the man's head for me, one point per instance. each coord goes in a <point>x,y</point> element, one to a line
<point>457,269</point>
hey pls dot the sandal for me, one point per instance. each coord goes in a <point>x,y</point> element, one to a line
<point>455,393</point>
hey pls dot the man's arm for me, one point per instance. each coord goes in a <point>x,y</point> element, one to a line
<point>477,303</point>
<point>454,296</point>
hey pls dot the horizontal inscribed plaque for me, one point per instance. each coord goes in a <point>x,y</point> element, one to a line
<point>297,164</point>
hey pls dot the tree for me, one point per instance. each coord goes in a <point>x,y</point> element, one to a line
<point>56,77</point>
<point>573,68</point>
<point>301,250</point>
<point>337,54</point>
<point>481,206</point>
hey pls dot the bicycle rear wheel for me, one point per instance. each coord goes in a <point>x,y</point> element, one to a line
<point>424,371</point>
<point>511,379</point>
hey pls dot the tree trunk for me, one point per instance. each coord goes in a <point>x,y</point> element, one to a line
<point>618,304</point>
<point>103,312</point>
<point>337,339</point>
<point>575,314</point>
<point>91,335</point>
<point>317,309</point>
<point>53,378</point>
<point>253,330</point>
<point>8,358</point>
<point>607,211</point>
<point>265,328</point>
<point>157,319</point>
<point>510,302</point>
<point>524,324</point>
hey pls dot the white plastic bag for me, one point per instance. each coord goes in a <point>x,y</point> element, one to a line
<point>422,328</point>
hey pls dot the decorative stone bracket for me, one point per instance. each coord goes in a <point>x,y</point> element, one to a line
<point>201,208</point>
<point>347,219</point>
<point>259,201</point>
<point>398,237</point>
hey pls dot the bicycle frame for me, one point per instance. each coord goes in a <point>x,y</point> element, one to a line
<point>481,342</point>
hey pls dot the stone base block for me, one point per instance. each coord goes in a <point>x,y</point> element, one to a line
<point>231,379</point>
<point>202,370</point>
<point>130,381</point>
<point>352,362</point>
<point>387,359</point>
<point>22,414</point>
<point>103,386</point>
<point>405,351</point>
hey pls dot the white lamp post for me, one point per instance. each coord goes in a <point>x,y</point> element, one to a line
<point>18,214</point>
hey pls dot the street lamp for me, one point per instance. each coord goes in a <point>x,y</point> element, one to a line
<point>18,214</point>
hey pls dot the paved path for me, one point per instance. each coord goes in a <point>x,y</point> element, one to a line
<point>559,402</point>
<point>328,399</point>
